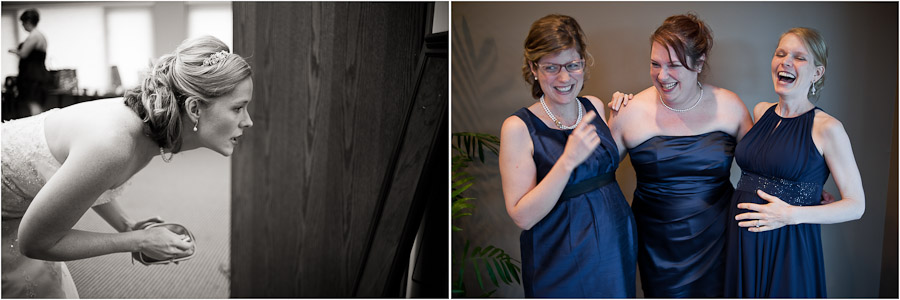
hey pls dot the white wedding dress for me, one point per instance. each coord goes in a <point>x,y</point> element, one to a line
<point>27,165</point>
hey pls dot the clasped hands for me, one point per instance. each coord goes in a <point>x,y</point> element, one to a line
<point>162,244</point>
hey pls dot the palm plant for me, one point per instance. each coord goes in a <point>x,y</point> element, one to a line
<point>487,262</point>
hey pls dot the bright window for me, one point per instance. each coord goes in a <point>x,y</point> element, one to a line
<point>130,32</point>
<point>10,63</point>
<point>92,37</point>
<point>211,18</point>
<point>75,45</point>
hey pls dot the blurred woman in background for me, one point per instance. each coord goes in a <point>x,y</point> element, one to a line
<point>33,75</point>
<point>59,163</point>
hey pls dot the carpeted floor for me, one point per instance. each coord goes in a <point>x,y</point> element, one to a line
<point>193,190</point>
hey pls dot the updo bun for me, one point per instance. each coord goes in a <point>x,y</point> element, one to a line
<point>200,69</point>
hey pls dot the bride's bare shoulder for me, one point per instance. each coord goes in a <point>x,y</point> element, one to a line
<point>97,123</point>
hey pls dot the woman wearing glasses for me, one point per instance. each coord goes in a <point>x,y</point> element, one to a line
<point>557,165</point>
<point>681,135</point>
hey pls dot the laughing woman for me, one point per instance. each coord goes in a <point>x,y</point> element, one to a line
<point>557,167</point>
<point>680,134</point>
<point>774,248</point>
<point>59,163</point>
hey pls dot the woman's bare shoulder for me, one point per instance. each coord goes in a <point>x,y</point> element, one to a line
<point>729,101</point>
<point>760,108</point>
<point>103,125</point>
<point>827,122</point>
<point>638,106</point>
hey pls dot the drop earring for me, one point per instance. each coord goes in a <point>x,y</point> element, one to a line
<point>814,89</point>
<point>195,125</point>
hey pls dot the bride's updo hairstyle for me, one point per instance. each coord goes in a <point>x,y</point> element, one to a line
<point>202,68</point>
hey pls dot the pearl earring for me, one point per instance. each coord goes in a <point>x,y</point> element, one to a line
<point>814,89</point>
<point>195,125</point>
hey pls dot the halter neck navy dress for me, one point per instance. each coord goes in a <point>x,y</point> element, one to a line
<point>681,206</point>
<point>586,246</point>
<point>779,157</point>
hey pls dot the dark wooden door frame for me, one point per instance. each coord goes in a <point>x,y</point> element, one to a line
<point>369,284</point>
<point>329,187</point>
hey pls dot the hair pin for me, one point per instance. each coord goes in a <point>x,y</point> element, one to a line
<point>215,58</point>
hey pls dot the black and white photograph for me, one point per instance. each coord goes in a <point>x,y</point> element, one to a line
<point>210,149</point>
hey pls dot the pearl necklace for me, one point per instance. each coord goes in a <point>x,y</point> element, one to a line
<point>557,122</point>
<point>686,109</point>
<point>163,155</point>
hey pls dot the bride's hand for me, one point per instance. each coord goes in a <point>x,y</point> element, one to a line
<point>162,244</point>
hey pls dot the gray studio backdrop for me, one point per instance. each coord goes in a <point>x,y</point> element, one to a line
<point>861,91</point>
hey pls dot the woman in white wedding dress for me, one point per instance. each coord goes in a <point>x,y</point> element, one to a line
<point>59,163</point>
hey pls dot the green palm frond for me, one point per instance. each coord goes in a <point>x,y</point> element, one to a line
<point>471,145</point>
<point>490,264</point>
<point>491,261</point>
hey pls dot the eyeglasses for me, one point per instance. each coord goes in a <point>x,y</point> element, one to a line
<point>575,66</point>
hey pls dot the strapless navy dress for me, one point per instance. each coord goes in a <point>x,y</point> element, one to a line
<point>779,157</point>
<point>586,246</point>
<point>681,206</point>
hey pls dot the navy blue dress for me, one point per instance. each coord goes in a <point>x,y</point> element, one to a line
<point>586,246</point>
<point>33,76</point>
<point>681,207</point>
<point>778,156</point>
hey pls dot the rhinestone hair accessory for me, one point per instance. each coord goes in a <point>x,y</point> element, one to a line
<point>215,58</point>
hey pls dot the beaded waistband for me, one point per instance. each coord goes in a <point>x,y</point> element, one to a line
<point>792,192</point>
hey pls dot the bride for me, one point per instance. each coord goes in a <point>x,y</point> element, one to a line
<point>59,163</point>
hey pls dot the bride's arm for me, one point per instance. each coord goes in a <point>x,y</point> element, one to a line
<point>92,166</point>
<point>116,217</point>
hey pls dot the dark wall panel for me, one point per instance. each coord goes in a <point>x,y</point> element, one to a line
<point>333,83</point>
<point>428,109</point>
